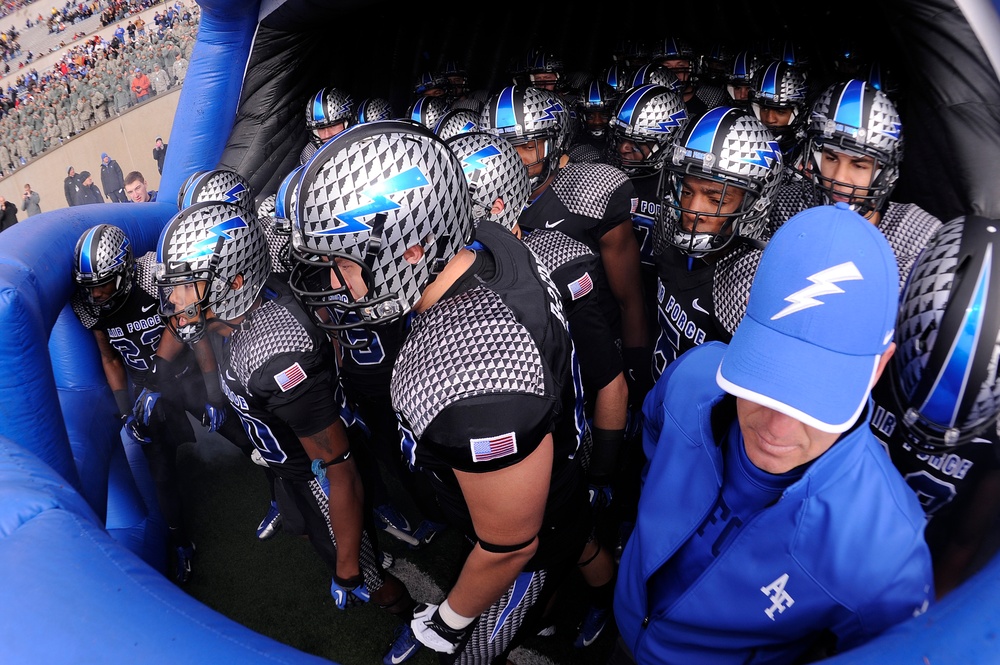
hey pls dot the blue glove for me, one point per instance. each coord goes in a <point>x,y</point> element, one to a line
<point>600,496</point>
<point>144,406</point>
<point>214,417</point>
<point>348,593</point>
<point>135,430</point>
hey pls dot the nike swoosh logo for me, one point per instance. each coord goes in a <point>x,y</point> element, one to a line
<point>552,225</point>
<point>148,307</point>
<point>694,303</point>
<point>403,656</point>
<point>339,597</point>
<point>229,377</point>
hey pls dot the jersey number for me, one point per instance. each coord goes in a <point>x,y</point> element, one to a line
<point>132,354</point>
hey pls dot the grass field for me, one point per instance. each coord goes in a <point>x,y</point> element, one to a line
<point>280,587</point>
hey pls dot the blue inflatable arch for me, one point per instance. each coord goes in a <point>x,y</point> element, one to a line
<point>79,550</point>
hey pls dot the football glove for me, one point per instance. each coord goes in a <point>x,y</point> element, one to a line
<point>135,430</point>
<point>350,592</point>
<point>145,405</point>
<point>214,416</point>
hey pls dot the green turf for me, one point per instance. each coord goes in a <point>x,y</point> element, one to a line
<point>280,587</point>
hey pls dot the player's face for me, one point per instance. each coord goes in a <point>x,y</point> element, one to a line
<point>545,80</point>
<point>186,300</point>
<point>596,120</point>
<point>679,67</point>
<point>777,443</point>
<point>635,151</point>
<point>352,278</point>
<point>532,153</point>
<point>136,191</point>
<point>100,294</point>
<point>327,133</point>
<point>705,202</point>
<point>739,93</point>
<point>845,174</point>
<point>773,118</point>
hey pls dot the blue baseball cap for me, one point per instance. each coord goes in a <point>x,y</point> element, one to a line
<point>821,313</point>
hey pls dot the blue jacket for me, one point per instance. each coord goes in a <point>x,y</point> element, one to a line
<point>842,549</point>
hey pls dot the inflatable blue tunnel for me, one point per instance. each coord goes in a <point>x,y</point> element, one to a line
<point>79,547</point>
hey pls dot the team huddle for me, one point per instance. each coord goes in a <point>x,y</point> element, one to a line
<point>651,332</point>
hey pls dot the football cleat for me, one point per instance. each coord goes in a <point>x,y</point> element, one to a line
<point>271,523</point>
<point>182,565</point>
<point>426,532</point>
<point>395,524</point>
<point>592,626</point>
<point>404,646</point>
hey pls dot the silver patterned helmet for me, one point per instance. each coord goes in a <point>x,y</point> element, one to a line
<point>654,74</point>
<point>522,115</point>
<point>944,373</point>
<point>265,209</point>
<point>217,185</point>
<point>202,251</point>
<point>427,111</point>
<point>326,108</point>
<point>103,256</point>
<point>780,86</point>
<point>854,118</point>
<point>677,49</point>
<point>649,117</point>
<point>595,106</point>
<point>494,171</point>
<point>617,77</point>
<point>729,147</point>
<point>740,77</point>
<point>372,109</point>
<point>367,197</point>
<point>456,121</point>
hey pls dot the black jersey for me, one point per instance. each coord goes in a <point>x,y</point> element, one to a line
<point>944,483</point>
<point>134,330</point>
<point>645,210</point>
<point>585,201</point>
<point>685,307</point>
<point>277,372</point>
<point>484,375</point>
<point>367,370</point>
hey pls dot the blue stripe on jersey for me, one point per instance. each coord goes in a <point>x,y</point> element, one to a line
<point>318,114</point>
<point>517,595</point>
<point>769,83</point>
<point>702,137</point>
<point>851,105</point>
<point>505,109</point>
<point>628,106</point>
<point>86,266</point>
<point>945,397</point>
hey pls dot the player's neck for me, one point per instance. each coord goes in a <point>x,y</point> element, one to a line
<point>457,267</point>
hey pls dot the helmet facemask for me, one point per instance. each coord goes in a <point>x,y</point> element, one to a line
<point>699,243</point>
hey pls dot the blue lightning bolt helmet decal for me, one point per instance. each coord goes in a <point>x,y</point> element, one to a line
<point>702,137</point>
<point>474,162</point>
<point>548,113</point>
<point>672,122</point>
<point>849,109</point>
<point>379,194</point>
<point>206,245</point>
<point>945,396</point>
<point>233,192</point>
<point>767,157</point>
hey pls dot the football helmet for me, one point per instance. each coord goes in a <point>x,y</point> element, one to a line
<point>729,146</point>
<point>456,121</point>
<point>943,375</point>
<point>539,62</point>
<point>278,231</point>
<point>616,76</point>
<point>366,198</point>
<point>630,53</point>
<point>650,116</point>
<point>854,118</point>
<point>219,185</point>
<point>430,84</point>
<point>103,255</point>
<point>674,48</point>
<point>791,53</point>
<point>201,252</point>
<point>522,115</point>
<point>740,77</point>
<point>372,109</point>
<point>328,107</point>
<point>780,86</point>
<point>718,62</point>
<point>427,111</point>
<point>265,209</point>
<point>457,78</point>
<point>654,74</point>
<point>494,171</point>
<point>596,104</point>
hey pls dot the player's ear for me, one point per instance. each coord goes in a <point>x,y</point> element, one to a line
<point>237,282</point>
<point>413,254</point>
<point>498,206</point>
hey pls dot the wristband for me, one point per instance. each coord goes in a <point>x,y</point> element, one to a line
<point>213,387</point>
<point>123,401</point>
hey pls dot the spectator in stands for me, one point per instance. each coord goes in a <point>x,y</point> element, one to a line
<point>160,154</point>
<point>140,85</point>
<point>30,204</point>
<point>160,80</point>
<point>112,179</point>
<point>137,189</point>
<point>180,68</point>
<point>71,186</point>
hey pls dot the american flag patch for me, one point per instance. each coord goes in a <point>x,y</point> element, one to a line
<point>484,450</point>
<point>635,205</point>
<point>290,378</point>
<point>581,287</point>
